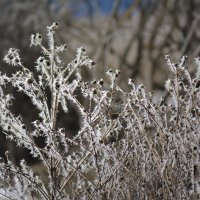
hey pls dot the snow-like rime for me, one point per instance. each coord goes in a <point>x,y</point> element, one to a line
<point>128,147</point>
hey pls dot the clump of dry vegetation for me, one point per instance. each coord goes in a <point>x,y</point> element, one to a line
<point>128,146</point>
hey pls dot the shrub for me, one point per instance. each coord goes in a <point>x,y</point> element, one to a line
<point>128,147</point>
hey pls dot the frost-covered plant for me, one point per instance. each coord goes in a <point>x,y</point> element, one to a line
<point>128,147</point>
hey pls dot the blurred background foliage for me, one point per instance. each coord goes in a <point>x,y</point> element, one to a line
<point>131,35</point>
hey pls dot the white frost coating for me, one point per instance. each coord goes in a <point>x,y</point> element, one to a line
<point>127,146</point>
